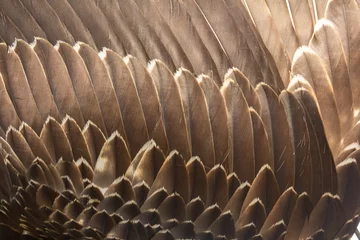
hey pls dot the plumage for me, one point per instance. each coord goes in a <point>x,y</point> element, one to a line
<point>197,119</point>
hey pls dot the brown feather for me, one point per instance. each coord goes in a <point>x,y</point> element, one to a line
<point>128,100</point>
<point>81,83</point>
<point>196,117</point>
<point>150,102</point>
<point>18,87</point>
<point>103,88</point>
<point>20,16</point>
<point>172,108</point>
<point>240,131</point>
<point>112,162</point>
<point>59,80</point>
<point>48,21</point>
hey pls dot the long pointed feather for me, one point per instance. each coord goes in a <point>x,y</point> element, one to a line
<point>172,108</point>
<point>196,117</point>
<point>18,87</point>
<point>37,80</point>
<point>48,20</point>
<point>127,96</point>
<point>59,80</point>
<point>149,101</point>
<point>175,15</point>
<point>240,132</point>
<point>324,41</point>
<point>267,29</point>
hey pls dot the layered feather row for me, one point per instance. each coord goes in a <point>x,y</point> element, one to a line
<point>229,133</point>
<point>218,163</point>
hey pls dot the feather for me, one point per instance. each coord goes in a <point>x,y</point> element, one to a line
<point>136,160</point>
<point>81,83</point>
<point>131,43</point>
<point>20,146</point>
<point>55,140</point>
<point>299,217</point>
<point>149,166</point>
<point>76,139</point>
<point>343,14</point>
<point>281,211</point>
<point>141,191</point>
<point>235,203</point>
<point>246,232</point>
<point>194,208</point>
<point>18,88</point>
<point>308,64</point>
<point>173,207</point>
<point>122,186</point>
<point>299,136</point>
<point>8,31</point>
<point>320,8</point>
<point>8,152</point>
<point>275,231</point>
<point>196,117</point>
<point>266,26</point>
<point>154,200</point>
<point>217,189</point>
<point>172,108</point>
<point>197,179</point>
<point>149,101</point>
<point>208,216</point>
<point>348,176</point>
<point>8,114</point>
<point>179,21</point>
<point>233,183</point>
<point>246,87</point>
<point>262,150</point>
<point>302,17</point>
<point>265,188</point>
<point>129,210</point>
<point>229,37</point>
<point>253,213</point>
<point>112,162</point>
<point>48,21</point>
<point>20,16</point>
<point>95,140</point>
<point>69,170</point>
<point>327,215</point>
<point>128,100</point>
<point>348,228</point>
<point>208,37</point>
<point>59,80</point>
<point>325,39</point>
<point>110,203</point>
<point>72,22</point>
<point>45,196</point>
<point>98,26</point>
<point>273,115</point>
<point>37,81</point>
<point>173,176</point>
<point>240,131</point>
<point>102,222</point>
<point>103,87</point>
<point>5,184</point>
<point>325,163</point>
<point>223,226</point>
<point>263,58</point>
<point>183,230</point>
<point>283,20</point>
<point>218,116</point>
<point>154,47</point>
<point>85,168</point>
<point>161,27</point>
